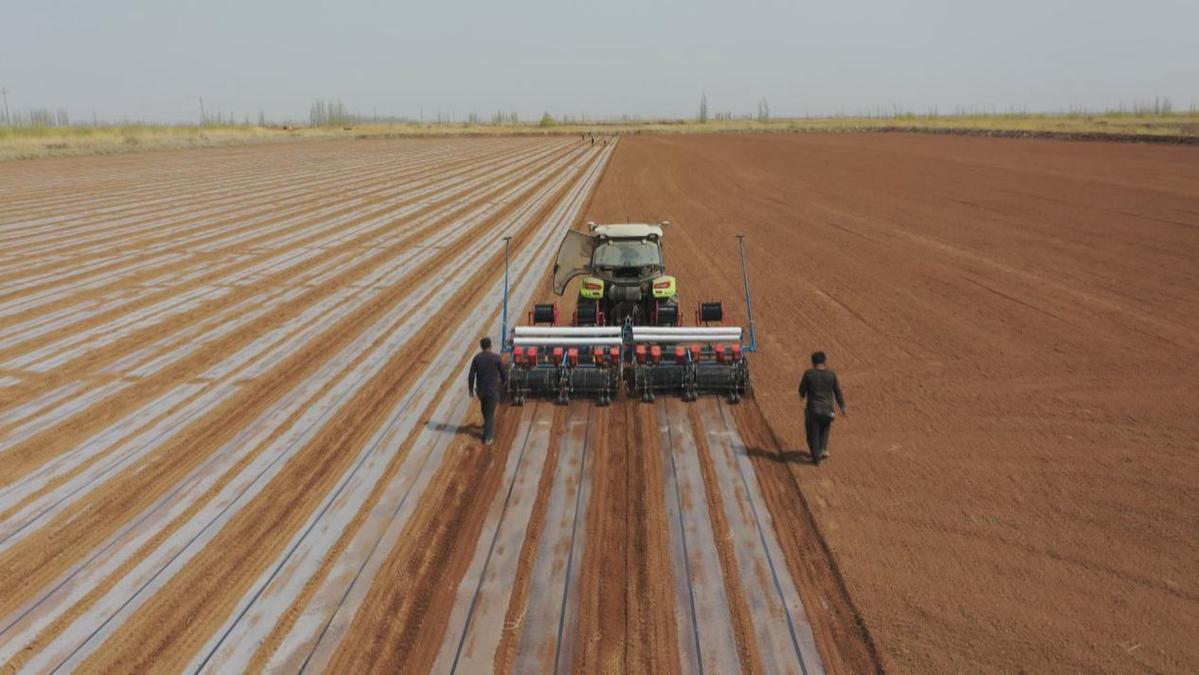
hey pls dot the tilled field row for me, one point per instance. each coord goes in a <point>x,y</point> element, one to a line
<point>190,441</point>
<point>235,437</point>
<point>375,253</point>
<point>236,201</point>
<point>239,228</point>
<point>175,180</point>
<point>552,583</point>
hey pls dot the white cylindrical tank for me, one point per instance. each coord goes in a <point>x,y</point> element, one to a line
<point>595,331</point>
<point>537,341</point>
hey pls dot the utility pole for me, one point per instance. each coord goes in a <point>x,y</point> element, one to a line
<point>7,120</point>
<point>203,115</point>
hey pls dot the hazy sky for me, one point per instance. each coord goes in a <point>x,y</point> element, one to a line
<point>153,59</point>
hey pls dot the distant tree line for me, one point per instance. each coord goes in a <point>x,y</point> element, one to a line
<point>38,117</point>
<point>330,114</point>
<point>1156,107</point>
<point>334,113</point>
<point>763,114</point>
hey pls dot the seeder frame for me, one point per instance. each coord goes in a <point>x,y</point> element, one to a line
<point>600,360</point>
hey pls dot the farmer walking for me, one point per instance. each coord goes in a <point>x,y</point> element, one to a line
<point>820,387</point>
<point>484,380</point>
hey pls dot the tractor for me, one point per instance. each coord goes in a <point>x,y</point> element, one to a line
<point>626,332</point>
<point>624,276</point>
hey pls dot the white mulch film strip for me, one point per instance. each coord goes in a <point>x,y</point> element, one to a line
<point>151,573</point>
<point>196,231</point>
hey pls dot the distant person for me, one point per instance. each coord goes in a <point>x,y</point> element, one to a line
<point>484,380</point>
<point>820,387</point>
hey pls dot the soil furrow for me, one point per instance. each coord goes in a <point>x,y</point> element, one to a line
<point>392,594</point>
<point>29,453</point>
<point>232,216</point>
<point>277,226</point>
<point>725,540</point>
<point>314,465</point>
<point>240,408</point>
<point>331,586</point>
<point>188,187</point>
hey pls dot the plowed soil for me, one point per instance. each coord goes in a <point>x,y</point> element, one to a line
<point>235,433</point>
<point>1016,326</point>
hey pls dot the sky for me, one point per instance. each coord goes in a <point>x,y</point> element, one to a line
<point>154,59</point>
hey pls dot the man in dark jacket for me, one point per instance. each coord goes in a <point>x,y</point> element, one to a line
<point>486,375</point>
<point>820,387</point>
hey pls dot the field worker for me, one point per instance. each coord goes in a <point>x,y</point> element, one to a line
<point>485,377</point>
<point>820,387</point>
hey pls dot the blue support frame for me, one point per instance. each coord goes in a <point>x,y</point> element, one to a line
<point>749,300</point>
<point>504,346</point>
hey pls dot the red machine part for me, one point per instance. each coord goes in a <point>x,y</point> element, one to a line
<point>614,355</point>
<point>720,353</point>
<point>680,355</point>
<point>558,355</point>
<point>531,357</point>
<point>518,356</point>
<point>573,355</point>
<point>695,353</point>
<point>598,355</point>
<point>641,354</point>
<point>655,353</point>
<point>736,350</point>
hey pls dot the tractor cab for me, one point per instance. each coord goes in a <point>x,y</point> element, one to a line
<point>624,275</point>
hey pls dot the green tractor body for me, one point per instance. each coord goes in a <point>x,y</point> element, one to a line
<point>624,276</point>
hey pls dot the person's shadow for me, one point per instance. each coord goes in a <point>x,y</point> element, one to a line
<point>782,456</point>
<point>456,429</point>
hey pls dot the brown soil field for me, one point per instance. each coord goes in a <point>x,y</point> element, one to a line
<point>1016,327</point>
<point>235,436</point>
<point>222,373</point>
